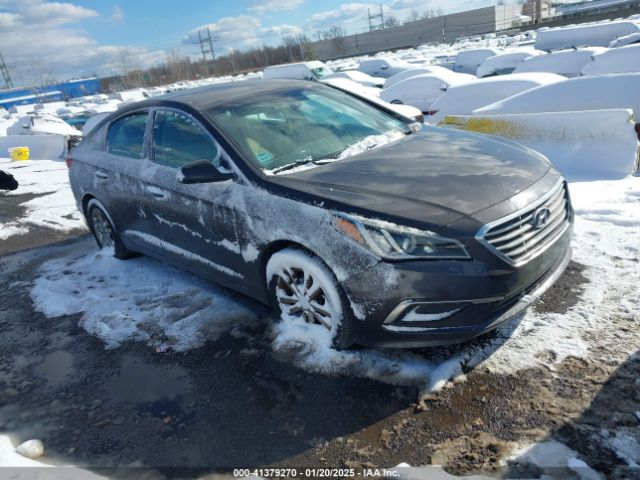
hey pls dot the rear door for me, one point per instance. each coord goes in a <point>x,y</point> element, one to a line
<point>195,223</point>
<point>116,174</point>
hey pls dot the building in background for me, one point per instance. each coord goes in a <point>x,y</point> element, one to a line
<point>547,10</point>
<point>49,93</point>
<point>443,29</point>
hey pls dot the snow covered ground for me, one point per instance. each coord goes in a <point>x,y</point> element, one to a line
<point>52,206</point>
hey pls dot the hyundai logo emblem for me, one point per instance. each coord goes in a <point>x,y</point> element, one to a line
<point>540,217</point>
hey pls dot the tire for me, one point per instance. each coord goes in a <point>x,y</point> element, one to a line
<point>302,287</point>
<point>104,231</point>
<point>397,102</point>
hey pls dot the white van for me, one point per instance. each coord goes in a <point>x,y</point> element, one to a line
<point>300,71</point>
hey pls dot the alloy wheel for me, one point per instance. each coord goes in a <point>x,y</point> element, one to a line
<point>302,295</point>
<point>102,228</point>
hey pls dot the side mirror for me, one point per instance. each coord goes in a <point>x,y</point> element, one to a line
<point>201,171</point>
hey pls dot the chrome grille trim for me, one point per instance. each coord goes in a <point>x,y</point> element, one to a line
<point>514,238</point>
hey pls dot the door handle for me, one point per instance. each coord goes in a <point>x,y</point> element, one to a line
<point>156,192</point>
<point>101,175</point>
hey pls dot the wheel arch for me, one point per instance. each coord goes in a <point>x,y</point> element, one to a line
<point>279,245</point>
<point>87,199</point>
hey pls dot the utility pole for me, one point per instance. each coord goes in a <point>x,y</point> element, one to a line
<point>373,26</point>
<point>444,29</point>
<point>5,73</point>
<point>206,44</point>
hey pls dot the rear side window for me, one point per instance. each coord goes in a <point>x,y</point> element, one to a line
<point>126,136</point>
<point>178,140</point>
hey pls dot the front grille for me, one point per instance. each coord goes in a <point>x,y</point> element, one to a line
<point>522,236</point>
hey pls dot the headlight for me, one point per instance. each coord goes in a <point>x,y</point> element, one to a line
<point>395,242</point>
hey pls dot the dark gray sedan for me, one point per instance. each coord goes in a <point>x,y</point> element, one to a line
<point>335,211</point>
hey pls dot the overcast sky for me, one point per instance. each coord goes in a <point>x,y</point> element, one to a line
<point>84,37</point>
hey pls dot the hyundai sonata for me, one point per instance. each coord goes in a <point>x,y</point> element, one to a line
<point>337,212</point>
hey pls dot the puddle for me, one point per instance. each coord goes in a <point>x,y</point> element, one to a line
<point>138,381</point>
<point>56,368</point>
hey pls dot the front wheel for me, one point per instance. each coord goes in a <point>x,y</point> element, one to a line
<point>303,289</point>
<point>104,232</point>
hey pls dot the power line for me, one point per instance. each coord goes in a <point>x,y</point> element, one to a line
<point>5,73</point>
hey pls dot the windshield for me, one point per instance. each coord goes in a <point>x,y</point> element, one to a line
<point>279,130</point>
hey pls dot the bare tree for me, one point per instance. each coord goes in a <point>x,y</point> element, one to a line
<point>427,14</point>
<point>391,21</point>
<point>336,34</point>
<point>175,65</point>
<point>129,68</point>
<point>413,16</point>
<point>306,47</point>
<point>293,47</point>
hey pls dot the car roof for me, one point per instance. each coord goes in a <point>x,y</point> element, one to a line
<point>204,98</point>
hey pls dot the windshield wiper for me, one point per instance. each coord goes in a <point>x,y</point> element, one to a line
<point>293,165</point>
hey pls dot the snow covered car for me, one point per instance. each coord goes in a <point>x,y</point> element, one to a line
<point>632,39</point>
<point>464,99</point>
<point>301,71</point>
<point>334,211</point>
<point>563,62</point>
<point>383,67</point>
<point>372,94</point>
<point>422,90</point>
<point>415,71</point>
<point>617,60</point>
<point>505,63</point>
<point>468,61</point>
<point>356,76</point>
<point>574,95</point>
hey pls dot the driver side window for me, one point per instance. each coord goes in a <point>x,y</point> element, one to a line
<point>178,140</point>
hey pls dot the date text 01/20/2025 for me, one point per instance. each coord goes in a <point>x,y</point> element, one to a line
<point>315,473</point>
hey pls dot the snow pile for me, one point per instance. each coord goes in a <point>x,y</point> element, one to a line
<point>137,301</point>
<point>554,459</point>
<point>309,347</point>
<point>627,447</point>
<point>12,459</point>
<point>54,207</point>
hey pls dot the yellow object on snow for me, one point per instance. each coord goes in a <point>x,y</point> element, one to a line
<point>19,153</point>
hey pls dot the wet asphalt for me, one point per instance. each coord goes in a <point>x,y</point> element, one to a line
<point>229,404</point>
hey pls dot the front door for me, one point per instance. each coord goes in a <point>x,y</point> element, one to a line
<point>195,224</point>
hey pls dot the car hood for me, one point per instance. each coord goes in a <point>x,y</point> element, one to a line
<point>436,176</point>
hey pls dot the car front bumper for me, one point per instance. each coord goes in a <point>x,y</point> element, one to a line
<point>455,301</point>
